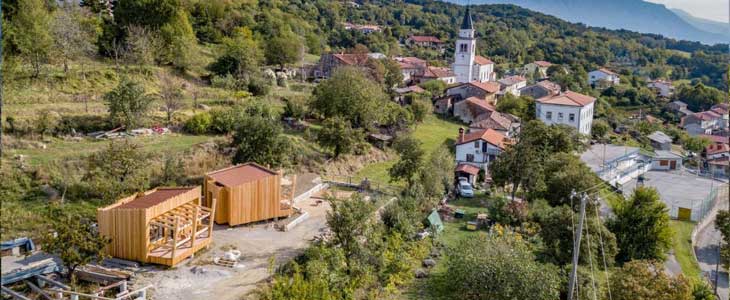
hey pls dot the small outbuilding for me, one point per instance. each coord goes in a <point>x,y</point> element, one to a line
<point>666,160</point>
<point>660,141</point>
<point>162,226</point>
<point>245,193</point>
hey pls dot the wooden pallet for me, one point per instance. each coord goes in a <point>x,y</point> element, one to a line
<point>226,262</point>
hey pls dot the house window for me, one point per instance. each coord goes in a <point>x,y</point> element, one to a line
<point>571,117</point>
<point>476,144</point>
<point>462,48</point>
<point>470,157</point>
<point>549,115</point>
<point>560,116</point>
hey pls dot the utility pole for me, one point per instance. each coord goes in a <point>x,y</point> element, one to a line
<point>576,245</point>
<point>717,265</point>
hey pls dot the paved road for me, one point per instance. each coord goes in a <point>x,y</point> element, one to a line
<point>707,256</point>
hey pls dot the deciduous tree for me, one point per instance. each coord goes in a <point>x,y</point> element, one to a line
<point>641,226</point>
<point>337,134</point>
<point>128,104</point>
<point>410,162</point>
<point>351,95</point>
<point>645,280</point>
<point>259,139</point>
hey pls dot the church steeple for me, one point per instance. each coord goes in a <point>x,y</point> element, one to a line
<point>467,23</point>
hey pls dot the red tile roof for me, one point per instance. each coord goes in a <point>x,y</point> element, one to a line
<point>157,196</point>
<point>494,120</point>
<point>240,174</point>
<point>607,71</point>
<point>716,138</point>
<point>467,168</point>
<point>543,63</point>
<point>478,106</point>
<point>438,72</point>
<point>489,135</point>
<point>350,59</point>
<point>490,87</point>
<point>550,86</point>
<point>425,38</point>
<point>569,98</point>
<point>481,60</point>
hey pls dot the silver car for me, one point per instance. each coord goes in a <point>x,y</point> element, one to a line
<point>465,190</point>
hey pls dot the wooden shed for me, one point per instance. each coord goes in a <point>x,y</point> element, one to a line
<point>161,226</point>
<point>245,193</point>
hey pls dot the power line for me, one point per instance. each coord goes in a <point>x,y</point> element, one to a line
<point>603,253</point>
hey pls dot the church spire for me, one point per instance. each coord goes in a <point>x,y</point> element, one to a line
<point>467,23</point>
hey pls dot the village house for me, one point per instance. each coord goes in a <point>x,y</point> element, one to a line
<point>719,167</point>
<point>679,107</point>
<point>504,123</point>
<point>512,84</point>
<point>660,140</point>
<point>569,108</point>
<point>468,110</point>
<point>705,122</point>
<point>161,226</point>
<point>717,151</point>
<point>400,93</point>
<point>715,139</point>
<point>438,73</point>
<point>467,65</point>
<point>540,89</point>
<point>540,66</point>
<point>329,62</point>
<point>603,77</point>
<point>411,67</point>
<point>664,160</point>
<point>427,41</point>
<point>366,29</point>
<point>245,193</point>
<point>663,88</point>
<point>444,105</point>
<point>479,148</point>
<point>482,90</point>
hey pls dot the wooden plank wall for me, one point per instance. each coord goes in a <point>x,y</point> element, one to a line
<point>128,228</point>
<point>254,201</point>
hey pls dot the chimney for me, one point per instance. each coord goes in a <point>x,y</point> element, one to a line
<point>461,134</point>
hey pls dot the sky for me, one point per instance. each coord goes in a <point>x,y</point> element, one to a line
<point>717,10</point>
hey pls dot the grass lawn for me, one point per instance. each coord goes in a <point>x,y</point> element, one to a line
<point>60,149</point>
<point>683,252</point>
<point>432,133</point>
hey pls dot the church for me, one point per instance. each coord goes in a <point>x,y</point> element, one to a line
<point>468,66</point>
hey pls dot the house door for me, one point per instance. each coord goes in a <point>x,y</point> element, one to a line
<point>672,164</point>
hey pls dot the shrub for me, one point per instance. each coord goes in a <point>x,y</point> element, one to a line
<point>259,86</point>
<point>199,124</point>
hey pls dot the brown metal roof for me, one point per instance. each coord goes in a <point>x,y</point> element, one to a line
<point>241,174</point>
<point>156,197</point>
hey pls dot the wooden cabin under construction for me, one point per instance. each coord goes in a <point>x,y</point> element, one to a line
<point>162,226</point>
<point>245,193</point>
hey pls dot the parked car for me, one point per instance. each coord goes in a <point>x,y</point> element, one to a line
<point>464,189</point>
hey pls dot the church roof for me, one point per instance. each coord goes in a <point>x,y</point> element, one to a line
<point>467,23</point>
<point>481,60</point>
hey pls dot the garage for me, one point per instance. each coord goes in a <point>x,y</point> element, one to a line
<point>666,161</point>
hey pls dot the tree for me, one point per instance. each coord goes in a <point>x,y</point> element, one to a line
<point>260,140</point>
<point>179,41</point>
<point>240,55</point>
<point>600,129</point>
<point>284,49</point>
<point>435,87</point>
<point>73,238</point>
<point>337,134</point>
<point>695,143</point>
<point>70,38</point>
<point>420,109</point>
<point>722,223</point>
<point>143,45</point>
<point>127,103</point>
<point>30,32</point>
<point>699,97</point>
<point>518,106</point>
<point>497,267</point>
<point>350,220</point>
<point>641,226</point>
<point>351,95</point>
<point>565,173</point>
<point>436,175</point>
<point>410,161</point>
<point>701,290</point>
<point>171,95</point>
<point>119,169</point>
<point>645,280</point>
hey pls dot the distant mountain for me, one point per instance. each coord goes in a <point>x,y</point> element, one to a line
<point>704,24</point>
<point>635,15</point>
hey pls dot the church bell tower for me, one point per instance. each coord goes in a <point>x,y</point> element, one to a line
<point>465,50</point>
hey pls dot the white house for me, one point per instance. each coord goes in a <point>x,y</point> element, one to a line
<point>603,75</point>
<point>705,122</point>
<point>479,148</point>
<point>616,164</point>
<point>467,65</point>
<point>662,88</point>
<point>664,160</point>
<point>513,84</point>
<point>569,108</point>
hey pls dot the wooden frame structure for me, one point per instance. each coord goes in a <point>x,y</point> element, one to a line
<point>161,226</point>
<point>245,193</point>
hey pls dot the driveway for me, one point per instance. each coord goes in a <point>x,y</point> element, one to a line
<point>198,278</point>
